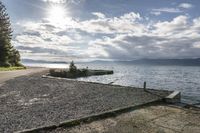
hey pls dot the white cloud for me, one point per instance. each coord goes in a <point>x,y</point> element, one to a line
<point>196,22</point>
<point>45,40</point>
<point>177,9</point>
<point>185,5</point>
<point>123,37</point>
<point>131,16</point>
<point>196,45</point>
<point>170,27</point>
<point>168,39</point>
<point>126,23</point>
<point>168,10</point>
<point>55,1</point>
<point>63,1</point>
<point>157,13</point>
<point>99,14</point>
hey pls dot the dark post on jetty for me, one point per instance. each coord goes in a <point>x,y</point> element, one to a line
<point>144,85</point>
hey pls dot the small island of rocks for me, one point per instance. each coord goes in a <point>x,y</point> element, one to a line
<point>74,72</point>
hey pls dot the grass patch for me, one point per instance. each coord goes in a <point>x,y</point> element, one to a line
<point>11,68</point>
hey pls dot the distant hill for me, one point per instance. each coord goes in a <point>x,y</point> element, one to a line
<point>164,62</point>
<point>42,61</point>
<point>181,62</point>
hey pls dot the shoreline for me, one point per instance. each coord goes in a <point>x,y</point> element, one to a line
<point>34,101</point>
<point>7,75</point>
<point>31,103</point>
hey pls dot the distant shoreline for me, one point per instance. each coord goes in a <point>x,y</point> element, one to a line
<point>160,62</point>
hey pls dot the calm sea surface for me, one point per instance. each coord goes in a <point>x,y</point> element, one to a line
<point>182,78</point>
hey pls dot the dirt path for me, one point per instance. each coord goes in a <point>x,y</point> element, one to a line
<point>7,75</point>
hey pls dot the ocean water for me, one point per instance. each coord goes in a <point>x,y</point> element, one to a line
<point>185,79</point>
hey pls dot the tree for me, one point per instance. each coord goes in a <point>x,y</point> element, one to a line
<point>72,68</point>
<point>9,56</point>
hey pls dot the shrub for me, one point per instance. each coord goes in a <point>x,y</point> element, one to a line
<point>72,68</point>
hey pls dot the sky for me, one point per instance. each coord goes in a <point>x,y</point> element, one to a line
<point>83,30</point>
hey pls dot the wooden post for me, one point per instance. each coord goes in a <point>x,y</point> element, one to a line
<point>145,85</point>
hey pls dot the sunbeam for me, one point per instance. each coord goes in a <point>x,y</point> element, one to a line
<point>57,15</point>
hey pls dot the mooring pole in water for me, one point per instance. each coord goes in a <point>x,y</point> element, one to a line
<point>145,85</point>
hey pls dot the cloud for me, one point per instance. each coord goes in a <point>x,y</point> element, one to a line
<point>156,13</point>
<point>63,1</point>
<point>131,16</point>
<point>126,23</point>
<point>125,37</point>
<point>196,22</point>
<point>98,14</point>
<point>185,5</point>
<point>43,39</point>
<point>47,37</point>
<point>177,9</point>
<point>167,39</point>
<point>167,10</point>
<point>178,24</point>
<point>55,1</point>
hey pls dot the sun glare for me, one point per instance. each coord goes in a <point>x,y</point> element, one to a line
<point>57,15</point>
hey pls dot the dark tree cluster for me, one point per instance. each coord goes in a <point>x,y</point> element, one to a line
<point>72,67</point>
<point>9,56</point>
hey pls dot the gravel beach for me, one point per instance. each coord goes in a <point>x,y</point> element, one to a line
<point>32,101</point>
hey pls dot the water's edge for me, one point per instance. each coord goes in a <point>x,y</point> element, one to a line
<point>185,79</point>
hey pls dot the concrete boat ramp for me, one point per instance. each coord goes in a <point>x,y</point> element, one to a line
<point>35,104</point>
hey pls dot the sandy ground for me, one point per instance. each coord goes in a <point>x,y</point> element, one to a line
<point>151,119</point>
<point>7,75</point>
<point>31,101</point>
